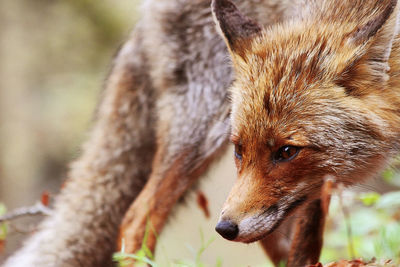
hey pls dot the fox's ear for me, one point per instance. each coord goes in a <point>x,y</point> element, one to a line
<point>375,39</point>
<point>364,32</point>
<point>234,27</point>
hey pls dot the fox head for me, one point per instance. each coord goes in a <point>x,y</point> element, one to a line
<point>314,96</point>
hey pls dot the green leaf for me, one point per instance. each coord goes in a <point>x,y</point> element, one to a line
<point>370,198</point>
<point>3,231</point>
<point>219,262</point>
<point>140,258</point>
<point>388,175</point>
<point>147,252</point>
<point>3,209</point>
<point>3,226</point>
<point>204,246</point>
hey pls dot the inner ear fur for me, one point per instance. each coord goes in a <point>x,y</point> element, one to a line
<point>234,27</point>
<point>373,39</point>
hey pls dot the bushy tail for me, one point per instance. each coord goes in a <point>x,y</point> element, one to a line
<point>111,171</point>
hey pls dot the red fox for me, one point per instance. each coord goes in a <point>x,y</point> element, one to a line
<point>315,91</point>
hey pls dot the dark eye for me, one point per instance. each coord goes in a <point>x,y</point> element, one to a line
<point>238,152</point>
<point>286,153</point>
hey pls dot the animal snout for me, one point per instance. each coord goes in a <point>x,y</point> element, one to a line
<point>227,229</point>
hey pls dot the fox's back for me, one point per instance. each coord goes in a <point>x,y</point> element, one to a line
<point>181,37</point>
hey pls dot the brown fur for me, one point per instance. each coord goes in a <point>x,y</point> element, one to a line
<point>331,90</point>
<point>167,93</point>
<point>165,111</point>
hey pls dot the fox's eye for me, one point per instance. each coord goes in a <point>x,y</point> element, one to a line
<point>238,152</point>
<point>286,153</point>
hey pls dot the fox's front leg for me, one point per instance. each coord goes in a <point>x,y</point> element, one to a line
<point>298,241</point>
<point>308,237</point>
<point>309,229</point>
<point>185,149</point>
<point>152,207</point>
<point>277,244</point>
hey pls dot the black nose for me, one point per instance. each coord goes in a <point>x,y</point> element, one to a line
<point>227,229</point>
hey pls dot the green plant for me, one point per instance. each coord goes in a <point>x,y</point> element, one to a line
<point>143,257</point>
<point>3,227</point>
<point>374,220</point>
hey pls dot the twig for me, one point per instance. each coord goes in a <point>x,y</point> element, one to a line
<point>347,222</point>
<point>37,209</point>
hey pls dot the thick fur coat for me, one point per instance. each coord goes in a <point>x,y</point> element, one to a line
<point>326,78</point>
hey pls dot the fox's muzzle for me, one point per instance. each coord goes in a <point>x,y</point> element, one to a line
<point>247,226</point>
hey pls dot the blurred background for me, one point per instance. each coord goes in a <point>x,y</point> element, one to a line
<point>54,57</point>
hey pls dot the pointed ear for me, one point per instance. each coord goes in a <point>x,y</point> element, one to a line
<point>234,27</point>
<point>373,41</point>
<point>364,32</point>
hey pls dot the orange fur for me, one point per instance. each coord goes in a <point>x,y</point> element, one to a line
<point>323,81</point>
<point>325,84</point>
